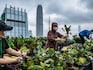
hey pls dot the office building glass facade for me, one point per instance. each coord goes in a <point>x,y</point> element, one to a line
<point>18,19</point>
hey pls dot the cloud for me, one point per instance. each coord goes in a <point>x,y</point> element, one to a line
<point>88,3</point>
<point>72,12</point>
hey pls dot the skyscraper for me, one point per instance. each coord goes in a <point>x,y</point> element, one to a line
<point>39,21</point>
<point>79,28</point>
<point>16,18</point>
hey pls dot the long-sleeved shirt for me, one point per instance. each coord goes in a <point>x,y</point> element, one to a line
<point>51,43</point>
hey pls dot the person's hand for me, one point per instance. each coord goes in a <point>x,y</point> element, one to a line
<point>24,55</point>
<point>18,59</point>
<point>65,36</point>
<point>57,39</point>
<point>63,40</point>
<point>60,39</point>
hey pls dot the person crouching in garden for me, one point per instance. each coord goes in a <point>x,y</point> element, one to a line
<point>53,36</point>
<point>5,48</point>
<point>85,35</point>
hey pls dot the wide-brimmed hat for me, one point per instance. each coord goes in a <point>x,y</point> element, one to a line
<point>4,26</point>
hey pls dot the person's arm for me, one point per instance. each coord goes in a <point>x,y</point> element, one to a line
<point>13,52</point>
<point>16,53</point>
<point>61,37</point>
<point>7,60</point>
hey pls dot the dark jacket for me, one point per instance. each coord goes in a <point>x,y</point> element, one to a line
<point>51,43</point>
<point>51,36</point>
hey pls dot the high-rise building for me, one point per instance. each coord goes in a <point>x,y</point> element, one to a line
<point>18,19</point>
<point>79,28</point>
<point>39,21</point>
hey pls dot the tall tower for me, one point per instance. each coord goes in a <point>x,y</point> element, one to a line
<point>39,21</point>
<point>79,28</point>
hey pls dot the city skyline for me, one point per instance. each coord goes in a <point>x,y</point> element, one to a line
<point>61,11</point>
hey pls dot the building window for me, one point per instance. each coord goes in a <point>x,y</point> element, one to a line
<point>12,11</point>
<point>16,12</point>
<point>8,10</point>
<point>16,24</point>
<point>24,25</point>
<point>20,18</point>
<point>8,16</point>
<point>16,17</point>
<point>24,29</point>
<point>23,16</point>
<point>12,24</point>
<point>20,24</point>
<point>12,16</point>
<point>8,23</point>
<point>19,13</point>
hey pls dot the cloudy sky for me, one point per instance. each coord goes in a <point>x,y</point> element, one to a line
<point>71,12</point>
